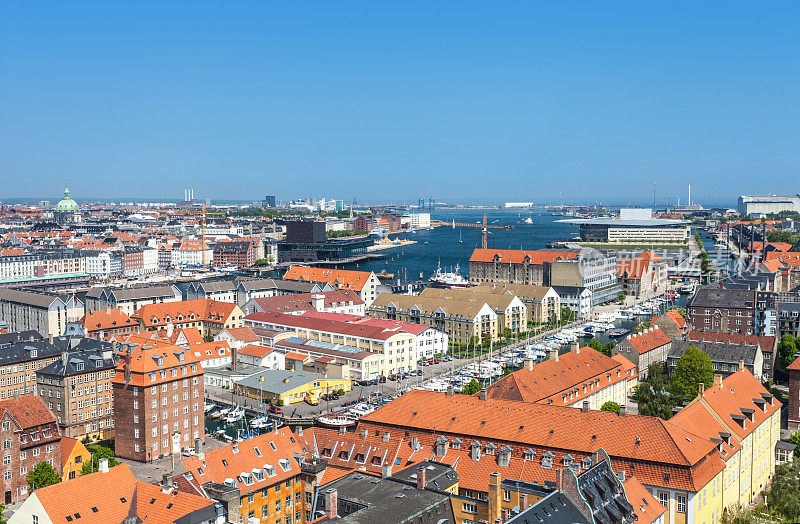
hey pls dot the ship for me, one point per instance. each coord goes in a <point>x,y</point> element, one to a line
<point>447,280</point>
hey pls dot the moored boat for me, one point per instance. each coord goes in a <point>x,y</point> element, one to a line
<point>336,421</point>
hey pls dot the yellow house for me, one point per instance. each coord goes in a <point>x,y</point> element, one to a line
<point>73,456</point>
<point>289,386</point>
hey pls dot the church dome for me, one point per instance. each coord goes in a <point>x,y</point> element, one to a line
<point>66,205</point>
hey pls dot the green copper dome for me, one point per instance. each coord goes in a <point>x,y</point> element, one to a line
<point>66,205</point>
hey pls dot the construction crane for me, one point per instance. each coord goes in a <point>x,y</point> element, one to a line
<point>203,213</point>
<point>484,227</point>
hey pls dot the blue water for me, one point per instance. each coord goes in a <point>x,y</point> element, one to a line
<point>441,244</point>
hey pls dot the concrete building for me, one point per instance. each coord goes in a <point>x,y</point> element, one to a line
<point>634,226</point>
<point>129,300</point>
<point>24,310</point>
<point>512,314</point>
<point>767,204</point>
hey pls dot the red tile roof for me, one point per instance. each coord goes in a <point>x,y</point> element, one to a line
<point>28,411</point>
<point>517,256</point>
<point>648,340</point>
<point>304,301</point>
<point>549,380</point>
<point>645,505</point>
<point>255,351</point>
<point>154,315</point>
<point>106,319</point>
<point>245,334</point>
<point>338,278</point>
<point>323,322</point>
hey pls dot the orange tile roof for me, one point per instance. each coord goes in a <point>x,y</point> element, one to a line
<point>67,445</point>
<point>339,278</point>
<point>675,317</point>
<point>245,334</point>
<point>738,392</point>
<point>699,419</point>
<point>106,319</point>
<point>648,340</point>
<point>550,379</point>
<point>234,459</point>
<point>145,359</point>
<point>255,351</point>
<point>293,355</point>
<point>647,446</point>
<point>107,492</point>
<point>153,506</point>
<point>629,368</point>
<point>645,505</point>
<point>154,315</point>
<point>28,411</point>
<point>518,256</point>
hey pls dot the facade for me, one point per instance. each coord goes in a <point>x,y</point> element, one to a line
<point>512,313</point>
<point>285,387</point>
<point>23,310</point>
<point>578,299</point>
<point>644,276</point>
<point>722,311</point>
<point>129,300</point>
<point>650,346</point>
<point>240,254</point>
<point>221,290</point>
<point>77,389</point>
<point>767,204</point>
<point>247,290</point>
<point>158,401</point>
<point>767,345</point>
<point>60,265</point>
<point>671,323</point>
<point>633,226</point>
<point>73,456</point>
<point>362,282</point>
<point>543,303</point>
<point>343,301</point>
<point>19,360</point>
<point>788,317</point>
<point>105,264</point>
<point>267,471</point>
<point>582,378</point>
<point>193,253</point>
<point>30,435</point>
<point>509,266</point>
<point>461,321</point>
<point>208,316</point>
<point>726,357</point>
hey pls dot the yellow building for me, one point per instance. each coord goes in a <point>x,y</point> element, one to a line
<point>73,456</point>
<point>289,386</point>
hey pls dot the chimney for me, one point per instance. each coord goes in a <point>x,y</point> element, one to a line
<point>363,433</point>
<point>585,407</point>
<point>50,339</point>
<point>421,478</point>
<point>102,465</point>
<point>528,364</point>
<point>576,347</point>
<point>128,364</point>
<point>386,470</point>
<point>331,511</point>
<point>450,391</point>
<point>299,431</point>
<point>386,436</point>
<point>114,346</point>
<point>718,381</point>
<point>342,430</point>
<point>64,358</point>
<point>560,479</point>
<point>554,354</point>
<point>523,502</point>
<point>701,388</point>
<point>482,394</point>
<point>166,483</point>
<point>506,515</point>
<point>170,329</point>
<point>741,365</point>
<point>318,302</point>
<point>234,357</point>
<point>415,443</point>
<point>623,410</point>
<point>495,505</point>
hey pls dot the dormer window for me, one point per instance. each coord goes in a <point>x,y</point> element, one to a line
<point>586,463</point>
<point>79,366</point>
<point>547,460</point>
<point>529,454</point>
<point>568,460</point>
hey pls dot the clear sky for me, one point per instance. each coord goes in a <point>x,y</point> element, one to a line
<point>388,101</point>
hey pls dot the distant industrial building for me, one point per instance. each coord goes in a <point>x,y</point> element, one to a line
<point>766,204</point>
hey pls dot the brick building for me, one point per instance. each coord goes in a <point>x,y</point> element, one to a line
<point>30,435</point>
<point>158,400</point>
<point>132,260</point>
<point>77,389</point>
<point>645,348</point>
<point>240,254</point>
<point>722,311</point>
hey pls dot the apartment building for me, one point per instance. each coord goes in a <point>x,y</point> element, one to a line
<point>241,254</point>
<point>643,276</point>
<point>190,253</point>
<point>722,311</point>
<point>103,323</point>
<point>336,301</point>
<point>158,401</point>
<point>645,348</point>
<point>512,313</point>
<point>726,357</point>
<point>221,290</point>
<point>77,388</point>
<point>543,303</point>
<point>582,378</point>
<point>43,263</point>
<point>461,321</point>
<point>396,344</point>
<point>766,345</point>
<point>30,435</point>
<point>23,310</point>
<point>266,471</point>
<point>365,283</point>
<point>208,316</point>
<point>247,289</point>
<point>129,300</point>
<point>19,360</point>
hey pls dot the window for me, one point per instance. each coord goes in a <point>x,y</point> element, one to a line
<point>663,498</point>
<point>469,508</point>
<point>681,503</point>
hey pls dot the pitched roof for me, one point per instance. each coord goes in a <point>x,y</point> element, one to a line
<point>344,279</point>
<point>645,505</point>
<point>315,322</point>
<point>523,291</point>
<point>104,319</point>
<point>153,315</point>
<point>675,317</point>
<point>153,506</point>
<point>765,343</point>
<point>518,256</point>
<point>255,351</point>
<point>699,419</point>
<point>551,377</point>
<point>146,358</point>
<point>305,301</point>
<point>710,297</point>
<point>27,298</point>
<point>429,305</point>
<point>28,411</point>
<point>648,340</point>
<point>245,334</point>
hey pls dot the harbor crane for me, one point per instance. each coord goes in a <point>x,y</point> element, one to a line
<point>484,227</point>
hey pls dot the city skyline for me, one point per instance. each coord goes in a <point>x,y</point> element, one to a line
<point>595,102</point>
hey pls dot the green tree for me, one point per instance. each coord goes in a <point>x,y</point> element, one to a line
<point>783,498</point>
<point>607,348</point>
<point>471,388</point>
<point>42,475</point>
<point>621,296</point>
<point>787,348</point>
<point>3,519</point>
<point>567,315</point>
<point>652,393</point>
<point>694,367</point>
<point>611,406</point>
<point>794,438</point>
<point>98,452</point>
<point>594,344</point>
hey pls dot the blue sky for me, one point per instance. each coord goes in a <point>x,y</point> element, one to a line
<point>390,101</point>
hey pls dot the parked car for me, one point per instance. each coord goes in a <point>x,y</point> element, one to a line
<point>275,409</point>
<point>188,452</point>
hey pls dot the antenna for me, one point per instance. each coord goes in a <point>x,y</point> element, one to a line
<point>654,196</point>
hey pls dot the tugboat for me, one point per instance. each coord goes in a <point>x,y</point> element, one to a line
<point>442,279</point>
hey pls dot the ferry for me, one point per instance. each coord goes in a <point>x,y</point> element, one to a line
<point>442,279</point>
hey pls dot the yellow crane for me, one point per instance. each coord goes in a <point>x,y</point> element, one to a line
<point>203,213</point>
<point>484,227</point>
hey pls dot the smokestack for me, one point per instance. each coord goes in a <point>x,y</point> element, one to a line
<point>421,478</point>
<point>690,194</point>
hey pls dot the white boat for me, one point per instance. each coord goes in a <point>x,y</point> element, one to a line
<point>259,422</point>
<point>219,413</point>
<point>208,406</point>
<point>235,415</point>
<point>442,279</point>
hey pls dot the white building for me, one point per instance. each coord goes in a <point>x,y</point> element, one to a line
<point>766,204</point>
<point>104,264</point>
<point>149,261</point>
<point>420,220</point>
